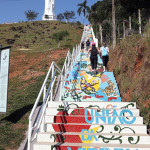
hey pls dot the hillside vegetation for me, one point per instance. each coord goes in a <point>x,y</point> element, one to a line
<point>37,36</point>
<point>130,62</point>
<point>32,52</point>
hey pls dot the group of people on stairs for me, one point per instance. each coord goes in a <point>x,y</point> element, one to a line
<point>94,51</point>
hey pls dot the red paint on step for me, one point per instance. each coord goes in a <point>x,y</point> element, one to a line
<point>64,117</point>
<point>112,98</point>
<point>67,76</point>
<point>66,88</point>
<point>85,97</point>
<point>97,96</point>
<point>67,81</point>
<point>66,147</point>
<point>104,78</point>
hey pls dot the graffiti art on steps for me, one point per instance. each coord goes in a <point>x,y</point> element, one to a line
<point>81,85</point>
<point>81,120</point>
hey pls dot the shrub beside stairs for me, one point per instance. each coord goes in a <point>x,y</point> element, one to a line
<point>90,115</point>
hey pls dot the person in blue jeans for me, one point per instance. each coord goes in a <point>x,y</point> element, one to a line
<point>105,57</point>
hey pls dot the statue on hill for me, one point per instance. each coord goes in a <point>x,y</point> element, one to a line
<point>49,13</point>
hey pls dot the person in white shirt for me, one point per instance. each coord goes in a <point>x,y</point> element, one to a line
<point>105,57</point>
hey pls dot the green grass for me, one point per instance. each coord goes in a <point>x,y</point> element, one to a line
<point>20,103</point>
<point>38,35</point>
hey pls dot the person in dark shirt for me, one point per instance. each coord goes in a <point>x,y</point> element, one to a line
<point>87,44</point>
<point>94,56</point>
<point>82,46</point>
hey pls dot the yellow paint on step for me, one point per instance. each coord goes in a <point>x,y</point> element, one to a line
<point>86,136</point>
<point>89,82</point>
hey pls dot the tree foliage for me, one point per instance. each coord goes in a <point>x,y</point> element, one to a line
<point>84,9</point>
<point>31,15</point>
<point>60,17</point>
<point>69,15</point>
<point>59,36</point>
<point>101,13</point>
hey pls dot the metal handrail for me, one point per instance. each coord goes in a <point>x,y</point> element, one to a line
<point>39,118</point>
<point>48,93</point>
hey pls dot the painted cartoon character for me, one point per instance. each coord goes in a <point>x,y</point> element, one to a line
<point>88,86</point>
<point>110,90</point>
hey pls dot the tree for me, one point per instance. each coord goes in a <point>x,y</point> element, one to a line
<point>58,37</point>
<point>98,16</point>
<point>69,15</point>
<point>83,8</point>
<point>113,24</point>
<point>31,15</point>
<point>130,9</point>
<point>134,6</point>
<point>65,34</point>
<point>60,17</point>
<point>78,23</point>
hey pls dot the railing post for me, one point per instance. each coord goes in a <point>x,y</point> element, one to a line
<point>61,79</point>
<point>68,64</point>
<point>29,133</point>
<point>42,128</point>
<point>74,54</point>
<point>51,95</point>
<point>44,92</point>
<point>52,71</point>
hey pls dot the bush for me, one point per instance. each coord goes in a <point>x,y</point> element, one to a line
<point>117,71</point>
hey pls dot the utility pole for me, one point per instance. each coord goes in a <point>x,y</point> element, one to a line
<point>114,24</point>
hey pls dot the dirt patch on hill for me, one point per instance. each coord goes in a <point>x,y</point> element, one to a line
<point>26,66</point>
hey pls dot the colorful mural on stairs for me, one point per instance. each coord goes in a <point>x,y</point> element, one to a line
<point>81,85</point>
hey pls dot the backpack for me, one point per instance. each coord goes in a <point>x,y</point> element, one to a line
<point>94,52</point>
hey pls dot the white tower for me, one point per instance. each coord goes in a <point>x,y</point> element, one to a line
<point>49,10</point>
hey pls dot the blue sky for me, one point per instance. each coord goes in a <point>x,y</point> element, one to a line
<point>13,10</point>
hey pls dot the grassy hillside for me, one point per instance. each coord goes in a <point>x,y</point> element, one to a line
<point>37,36</point>
<point>32,52</point>
<point>130,62</point>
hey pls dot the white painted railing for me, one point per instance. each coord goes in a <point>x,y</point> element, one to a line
<point>36,123</point>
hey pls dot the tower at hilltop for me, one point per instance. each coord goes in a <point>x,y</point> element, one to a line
<point>49,13</point>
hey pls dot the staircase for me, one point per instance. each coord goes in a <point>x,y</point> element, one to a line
<point>86,112</point>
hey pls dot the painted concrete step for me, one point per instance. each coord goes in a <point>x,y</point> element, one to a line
<point>90,98</point>
<point>100,138</point>
<point>81,146</point>
<point>109,111</point>
<point>86,104</point>
<point>87,118</point>
<point>80,85</point>
<point>56,127</point>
